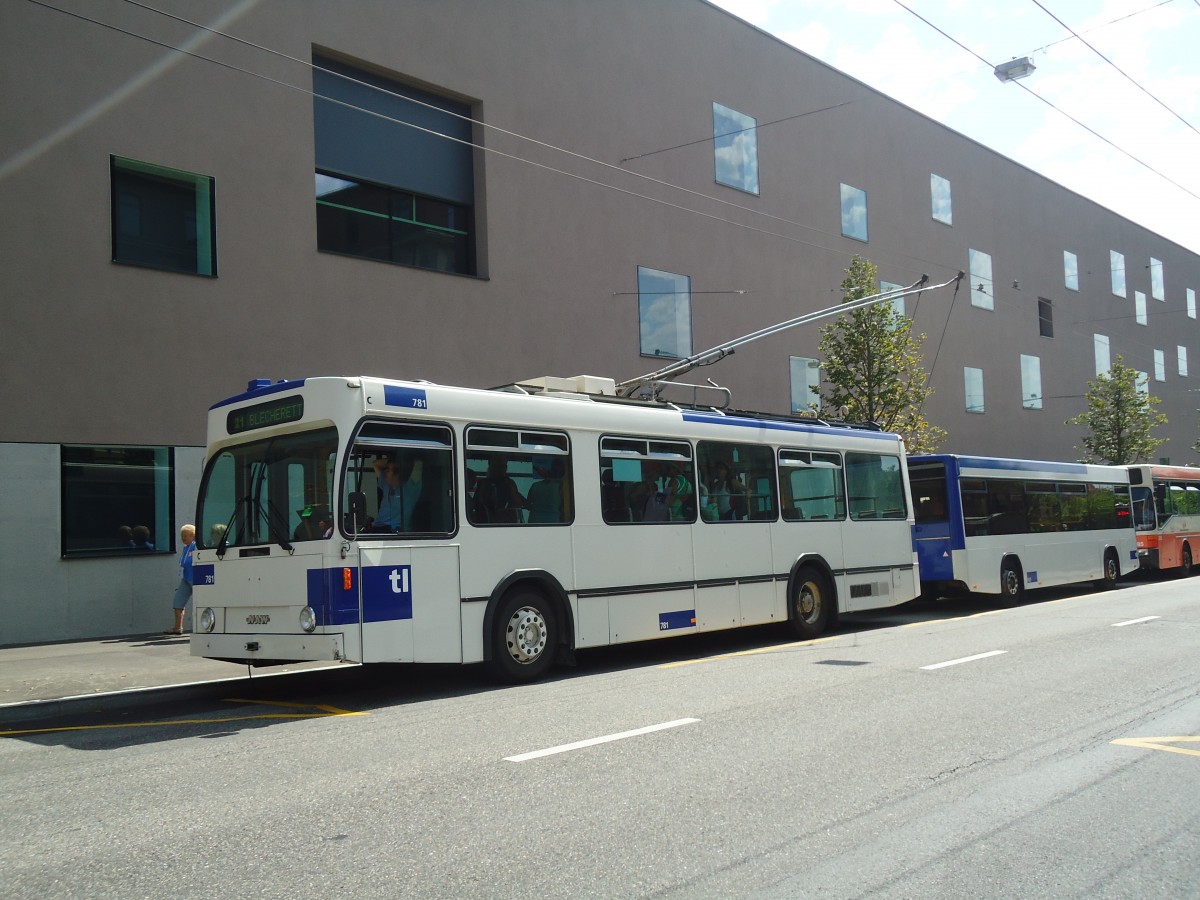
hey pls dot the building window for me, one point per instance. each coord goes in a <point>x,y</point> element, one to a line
<point>1157,289</point>
<point>395,171</point>
<point>982,290</point>
<point>973,389</point>
<point>806,384</point>
<point>1045,318</point>
<point>735,148</point>
<point>163,218</point>
<point>939,192</point>
<point>898,303</point>
<point>1031,382</point>
<point>1142,383</point>
<point>1116,262</point>
<point>1139,307</point>
<point>1191,303</point>
<point>1182,355</point>
<point>1103,360</point>
<point>664,313</point>
<point>117,500</point>
<point>1160,365</point>
<point>376,222</point>
<point>854,213</point>
<point>1070,271</point>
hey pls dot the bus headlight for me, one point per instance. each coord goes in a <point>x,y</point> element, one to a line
<point>208,620</point>
<point>308,620</point>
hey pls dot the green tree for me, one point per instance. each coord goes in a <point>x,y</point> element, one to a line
<point>1119,418</point>
<point>872,365</point>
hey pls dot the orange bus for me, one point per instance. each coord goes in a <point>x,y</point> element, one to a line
<point>1166,510</point>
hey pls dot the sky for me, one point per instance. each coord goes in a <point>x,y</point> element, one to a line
<point>1143,103</point>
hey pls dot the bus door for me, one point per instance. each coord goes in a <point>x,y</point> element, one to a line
<point>409,603</point>
<point>399,493</point>
<point>931,533</point>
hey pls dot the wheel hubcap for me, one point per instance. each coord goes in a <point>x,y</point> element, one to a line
<point>527,634</point>
<point>808,603</point>
<point>1011,583</point>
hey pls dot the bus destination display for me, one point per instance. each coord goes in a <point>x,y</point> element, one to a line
<point>263,415</point>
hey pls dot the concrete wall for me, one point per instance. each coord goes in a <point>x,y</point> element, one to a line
<point>44,597</point>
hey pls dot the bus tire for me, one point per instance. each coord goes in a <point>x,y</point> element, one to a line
<point>1012,585</point>
<point>810,606</point>
<point>1185,561</point>
<point>524,636</point>
<point>1112,571</point>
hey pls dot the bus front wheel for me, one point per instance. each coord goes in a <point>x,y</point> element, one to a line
<point>1112,571</point>
<point>524,637</point>
<point>1012,588</point>
<point>1185,564</point>
<point>811,603</point>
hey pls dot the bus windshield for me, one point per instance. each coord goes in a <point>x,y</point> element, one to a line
<point>274,490</point>
<point>1143,509</point>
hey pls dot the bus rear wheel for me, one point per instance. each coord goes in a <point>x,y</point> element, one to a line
<point>1185,563</point>
<point>811,603</point>
<point>524,637</point>
<point>1012,588</point>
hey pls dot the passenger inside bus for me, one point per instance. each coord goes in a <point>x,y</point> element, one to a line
<point>497,497</point>
<point>399,490</point>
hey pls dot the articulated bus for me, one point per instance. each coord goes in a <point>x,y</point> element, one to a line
<point>1166,508</point>
<point>999,526</point>
<point>369,520</point>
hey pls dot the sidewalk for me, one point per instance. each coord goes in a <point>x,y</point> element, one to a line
<point>35,680</point>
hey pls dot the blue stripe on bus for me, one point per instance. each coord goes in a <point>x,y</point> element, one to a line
<point>260,392</point>
<point>386,594</point>
<point>777,425</point>
<point>683,618</point>
<point>329,598</point>
<point>1004,465</point>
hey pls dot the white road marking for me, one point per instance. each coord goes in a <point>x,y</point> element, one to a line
<point>591,742</point>
<point>965,659</point>
<point>1135,621</point>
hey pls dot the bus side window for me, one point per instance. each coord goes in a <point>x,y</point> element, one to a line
<point>517,477</point>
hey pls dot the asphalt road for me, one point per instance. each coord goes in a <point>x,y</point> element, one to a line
<point>1051,750</point>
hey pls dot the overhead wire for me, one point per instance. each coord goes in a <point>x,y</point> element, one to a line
<point>1050,104</point>
<point>1125,74</point>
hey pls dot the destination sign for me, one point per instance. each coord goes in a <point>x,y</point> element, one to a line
<point>263,415</point>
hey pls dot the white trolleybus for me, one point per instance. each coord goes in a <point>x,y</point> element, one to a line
<point>1166,508</point>
<point>999,526</point>
<point>370,520</point>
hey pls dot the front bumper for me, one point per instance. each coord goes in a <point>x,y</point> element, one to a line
<point>269,649</point>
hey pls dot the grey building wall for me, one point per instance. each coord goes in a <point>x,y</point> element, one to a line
<point>136,356</point>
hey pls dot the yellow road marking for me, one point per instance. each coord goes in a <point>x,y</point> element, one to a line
<point>771,649</point>
<point>325,712</point>
<point>989,612</point>
<point>1157,743</point>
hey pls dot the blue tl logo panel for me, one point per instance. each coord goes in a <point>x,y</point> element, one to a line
<point>1032,577</point>
<point>387,593</point>
<point>684,618</point>
<point>386,590</point>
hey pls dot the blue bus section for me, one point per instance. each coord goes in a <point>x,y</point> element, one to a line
<point>990,525</point>
<point>931,543</point>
